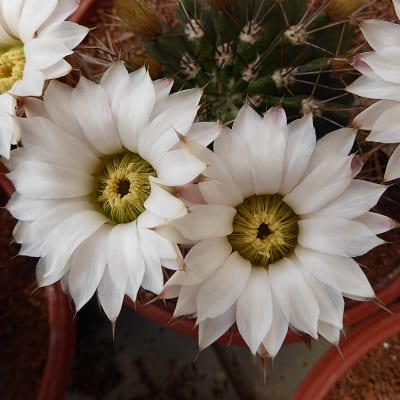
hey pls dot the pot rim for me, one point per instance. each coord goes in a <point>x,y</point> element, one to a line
<point>62,331</point>
<point>61,344</point>
<point>333,365</point>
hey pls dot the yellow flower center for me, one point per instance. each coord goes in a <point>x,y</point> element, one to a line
<point>265,229</point>
<point>123,186</point>
<point>12,64</point>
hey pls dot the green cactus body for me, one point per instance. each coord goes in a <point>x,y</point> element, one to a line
<point>266,51</point>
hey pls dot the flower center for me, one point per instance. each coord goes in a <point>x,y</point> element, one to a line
<point>265,229</point>
<point>12,64</point>
<point>123,186</point>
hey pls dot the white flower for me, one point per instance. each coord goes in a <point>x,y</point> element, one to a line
<point>281,219</point>
<point>34,39</point>
<point>381,80</point>
<point>96,175</point>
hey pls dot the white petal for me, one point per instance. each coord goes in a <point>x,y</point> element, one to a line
<point>43,52</point>
<point>384,130</point>
<point>187,301</point>
<point>221,290</point>
<point>393,166</point>
<point>385,63</point>
<point>35,108</point>
<point>380,34</point>
<point>296,299</point>
<point>341,273</point>
<point>59,69</point>
<point>114,80</point>
<point>110,297</point>
<point>267,153</point>
<point>33,15</point>
<point>28,209</point>
<point>220,188</point>
<point>63,10</point>
<point>162,87</point>
<point>300,147</point>
<point>87,267</point>
<point>376,223</point>
<point>30,85</point>
<point>7,109</point>
<point>254,309</point>
<point>367,119</point>
<point>374,88</point>
<point>207,221</point>
<point>125,258</point>
<point>178,167</point>
<point>10,12</point>
<point>153,278</point>
<point>212,328</point>
<point>163,203</point>
<point>33,234</point>
<point>205,257</point>
<point>71,233</point>
<point>61,148</point>
<point>92,109</point>
<point>247,123</point>
<point>69,33</point>
<point>279,327</point>
<point>45,181</point>
<point>160,134</point>
<point>329,332</point>
<point>330,301</point>
<point>134,108</point>
<point>358,198</point>
<point>204,132</point>
<point>337,143</point>
<point>57,101</point>
<point>234,153</point>
<point>337,236</point>
<point>323,184</point>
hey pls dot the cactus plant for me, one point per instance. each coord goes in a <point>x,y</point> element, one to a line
<point>269,52</point>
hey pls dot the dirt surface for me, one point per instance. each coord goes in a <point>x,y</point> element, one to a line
<point>375,376</point>
<point>23,319</point>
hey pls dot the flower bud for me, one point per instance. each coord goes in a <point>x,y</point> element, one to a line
<point>139,17</point>
<point>340,9</point>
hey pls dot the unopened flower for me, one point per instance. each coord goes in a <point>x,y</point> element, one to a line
<point>96,175</point>
<point>140,17</point>
<point>34,39</point>
<point>281,219</point>
<point>380,80</point>
<point>337,10</point>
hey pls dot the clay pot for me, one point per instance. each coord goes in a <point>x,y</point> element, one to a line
<point>332,366</point>
<point>61,345</point>
<point>61,328</point>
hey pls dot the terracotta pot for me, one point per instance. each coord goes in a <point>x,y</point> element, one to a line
<point>61,345</point>
<point>62,331</point>
<point>332,366</point>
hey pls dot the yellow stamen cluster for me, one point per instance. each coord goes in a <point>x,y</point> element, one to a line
<point>123,186</point>
<point>12,64</point>
<point>265,230</point>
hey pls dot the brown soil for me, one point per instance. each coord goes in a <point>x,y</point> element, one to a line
<point>23,319</point>
<point>374,376</point>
